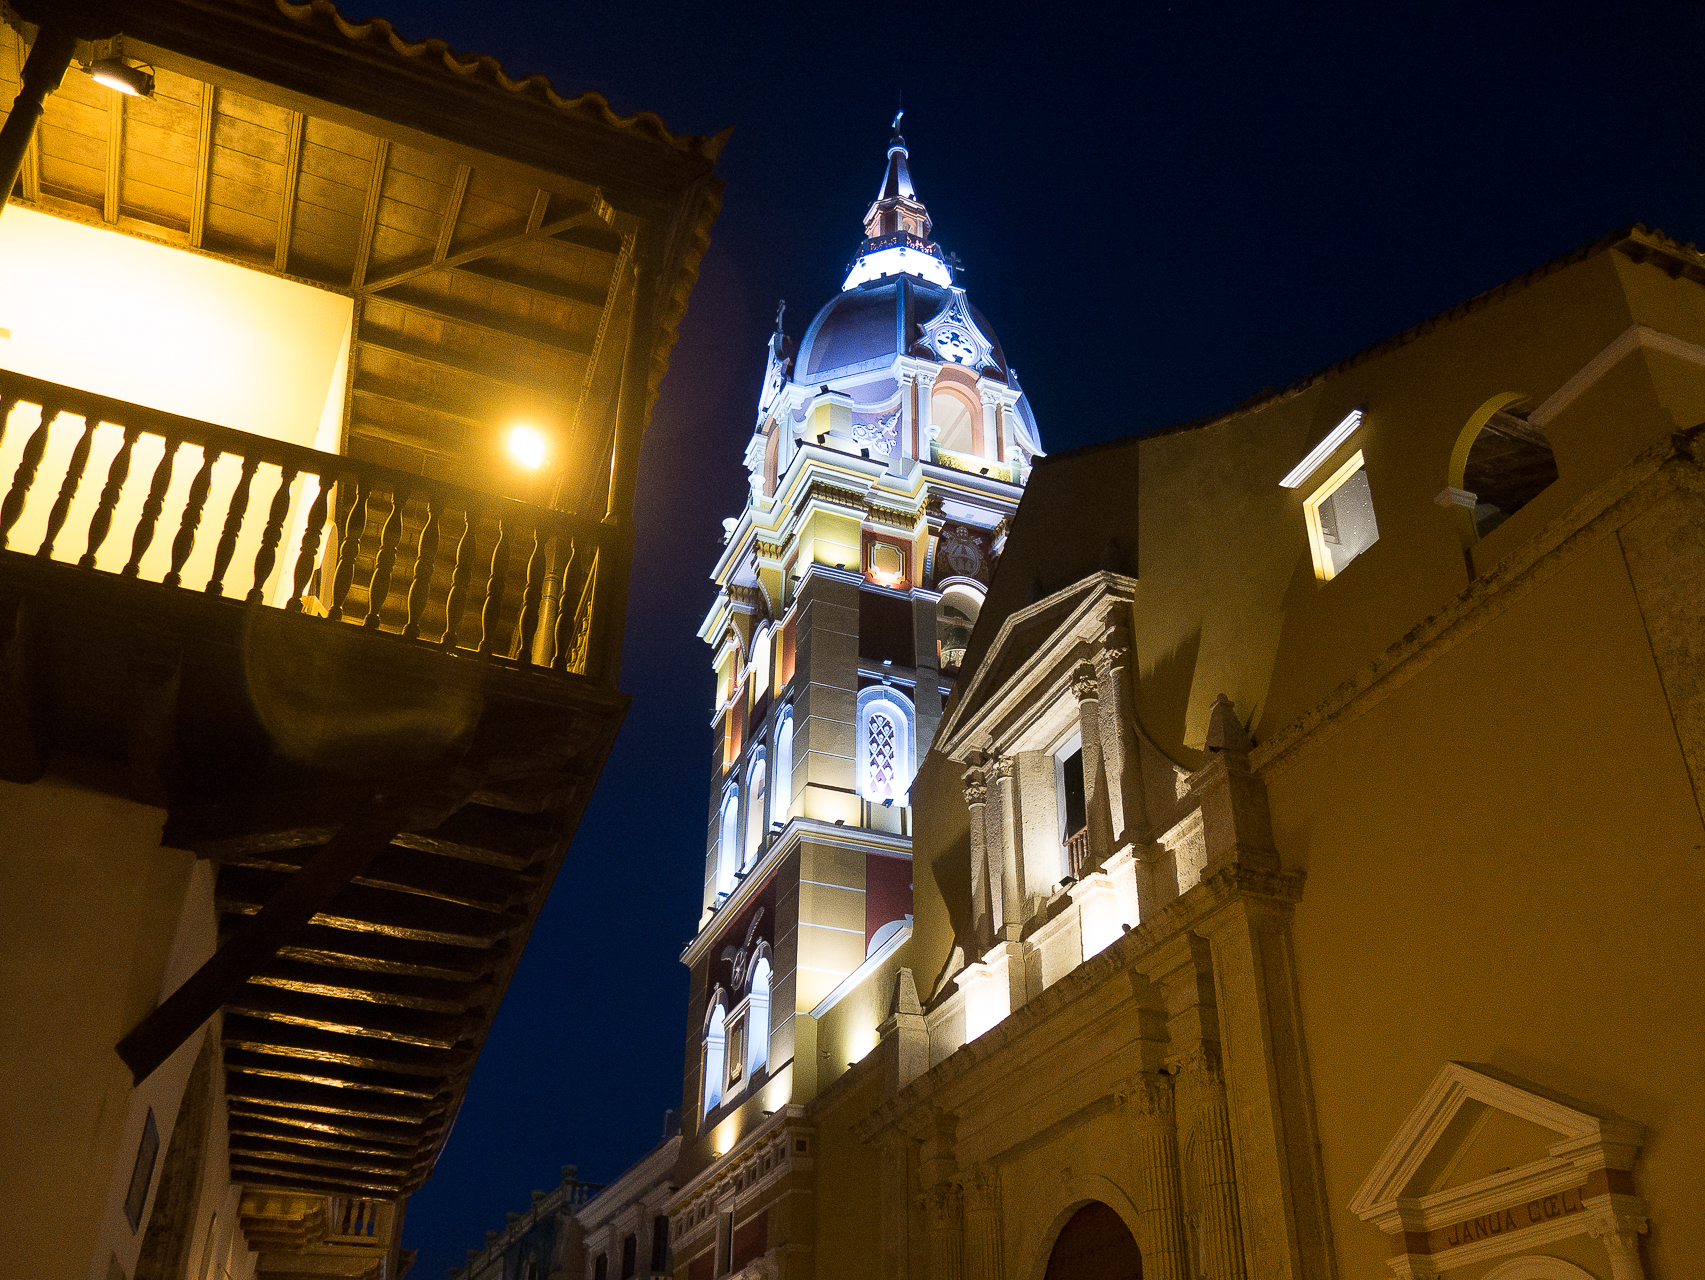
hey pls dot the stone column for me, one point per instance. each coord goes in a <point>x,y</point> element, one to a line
<point>942,1210</point>
<point>1620,1234</point>
<point>896,1220</point>
<point>983,894</point>
<point>1086,687</point>
<point>926,416</point>
<point>1183,969</point>
<point>1121,761</point>
<point>1159,1197</point>
<point>991,441</point>
<point>982,1198</point>
<point>1010,919</point>
<point>1211,1170</point>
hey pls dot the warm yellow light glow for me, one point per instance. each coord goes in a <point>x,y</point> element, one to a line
<point>112,80</point>
<point>527,446</point>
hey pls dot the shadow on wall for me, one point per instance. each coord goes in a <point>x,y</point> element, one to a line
<point>1163,697</point>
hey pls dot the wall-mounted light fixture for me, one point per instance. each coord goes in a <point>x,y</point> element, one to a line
<point>117,74</point>
<point>527,445</point>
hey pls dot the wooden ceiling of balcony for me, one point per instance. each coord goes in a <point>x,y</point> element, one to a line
<point>485,292</point>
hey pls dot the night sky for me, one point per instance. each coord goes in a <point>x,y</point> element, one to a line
<point>1160,209</point>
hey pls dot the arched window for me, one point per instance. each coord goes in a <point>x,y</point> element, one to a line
<point>887,746</point>
<point>1501,462</point>
<point>713,1065</point>
<point>955,615</point>
<point>757,808</point>
<point>781,787</point>
<point>758,1016</point>
<point>728,842</point>
<point>956,428</point>
<point>760,664</point>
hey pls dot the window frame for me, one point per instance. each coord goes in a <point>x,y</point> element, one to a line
<point>1324,571</point>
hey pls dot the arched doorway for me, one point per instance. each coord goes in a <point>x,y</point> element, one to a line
<point>1095,1244</point>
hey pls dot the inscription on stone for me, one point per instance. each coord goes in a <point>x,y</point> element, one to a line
<point>1488,1225</point>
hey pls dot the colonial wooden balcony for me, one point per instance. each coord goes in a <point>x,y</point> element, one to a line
<point>378,702</point>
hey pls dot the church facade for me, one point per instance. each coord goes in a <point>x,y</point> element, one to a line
<point>1301,852</point>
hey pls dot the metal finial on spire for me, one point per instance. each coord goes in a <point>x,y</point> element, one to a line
<point>898,116</point>
<point>781,310</point>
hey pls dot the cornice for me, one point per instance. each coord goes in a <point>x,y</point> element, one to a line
<point>962,1072</point>
<point>792,835</point>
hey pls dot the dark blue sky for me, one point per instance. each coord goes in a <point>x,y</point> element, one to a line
<point>1161,209</point>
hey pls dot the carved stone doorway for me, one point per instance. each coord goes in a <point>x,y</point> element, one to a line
<point>1095,1244</point>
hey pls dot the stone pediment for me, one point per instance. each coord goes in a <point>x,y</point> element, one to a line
<point>1488,1164</point>
<point>1027,637</point>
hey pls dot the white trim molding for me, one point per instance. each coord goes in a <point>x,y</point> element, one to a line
<point>1583,1185</point>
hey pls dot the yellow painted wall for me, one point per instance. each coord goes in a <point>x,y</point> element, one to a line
<point>100,921</point>
<point>1522,891</point>
<point>849,1185</point>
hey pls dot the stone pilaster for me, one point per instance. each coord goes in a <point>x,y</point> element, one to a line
<point>1122,762</point>
<point>1086,688</point>
<point>982,1206</point>
<point>942,1214</point>
<point>984,894</point>
<point>1620,1235</point>
<point>896,1218</point>
<point>1183,970</point>
<point>1008,921</point>
<point>1159,1195</point>
<point>1210,1167</point>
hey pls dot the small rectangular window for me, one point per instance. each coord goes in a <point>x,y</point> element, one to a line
<point>630,1256</point>
<point>1340,519</point>
<point>660,1243</point>
<point>601,1268</point>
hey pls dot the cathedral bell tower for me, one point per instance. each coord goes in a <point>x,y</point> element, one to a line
<point>890,449</point>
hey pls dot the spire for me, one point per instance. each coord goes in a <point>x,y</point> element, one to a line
<point>897,227</point>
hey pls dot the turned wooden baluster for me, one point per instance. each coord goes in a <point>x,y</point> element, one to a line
<point>267,556</point>
<point>562,634</point>
<point>234,514</point>
<point>528,622</point>
<point>311,533</point>
<point>101,522</point>
<point>425,553</point>
<point>347,546</point>
<point>68,488</point>
<point>379,587</point>
<point>25,476</point>
<point>7,404</point>
<point>185,541</point>
<point>458,597</point>
<point>152,505</point>
<point>494,592</point>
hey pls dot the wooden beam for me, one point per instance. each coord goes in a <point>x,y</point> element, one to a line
<point>541,205</point>
<point>532,282</point>
<point>224,975</point>
<point>546,338</point>
<point>203,167</point>
<point>452,211</point>
<point>432,355</point>
<point>115,157</point>
<point>287,205</point>
<point>599,213</point>
<point>370,214</point>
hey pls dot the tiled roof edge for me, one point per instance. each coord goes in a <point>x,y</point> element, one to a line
<point>486,69</point>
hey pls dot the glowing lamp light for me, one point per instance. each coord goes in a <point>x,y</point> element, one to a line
<point>1322,451</point>
<point>117,74</point>
<point>527,446</point>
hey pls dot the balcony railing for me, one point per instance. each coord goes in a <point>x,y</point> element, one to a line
<point>1077,852</point>
<point>117,488</point>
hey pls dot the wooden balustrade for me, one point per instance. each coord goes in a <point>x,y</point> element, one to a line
<point>433,563</point>
<point>1077,852</point>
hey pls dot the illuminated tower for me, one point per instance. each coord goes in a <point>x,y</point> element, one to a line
<point>889,452</point>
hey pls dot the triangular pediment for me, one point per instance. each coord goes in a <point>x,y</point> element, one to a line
<point>1480,1135</point>
<point>1025,634</point>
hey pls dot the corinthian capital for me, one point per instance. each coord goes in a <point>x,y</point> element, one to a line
<point>1086,684</point>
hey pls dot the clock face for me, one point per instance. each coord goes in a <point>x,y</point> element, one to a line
<point>955,345</point>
